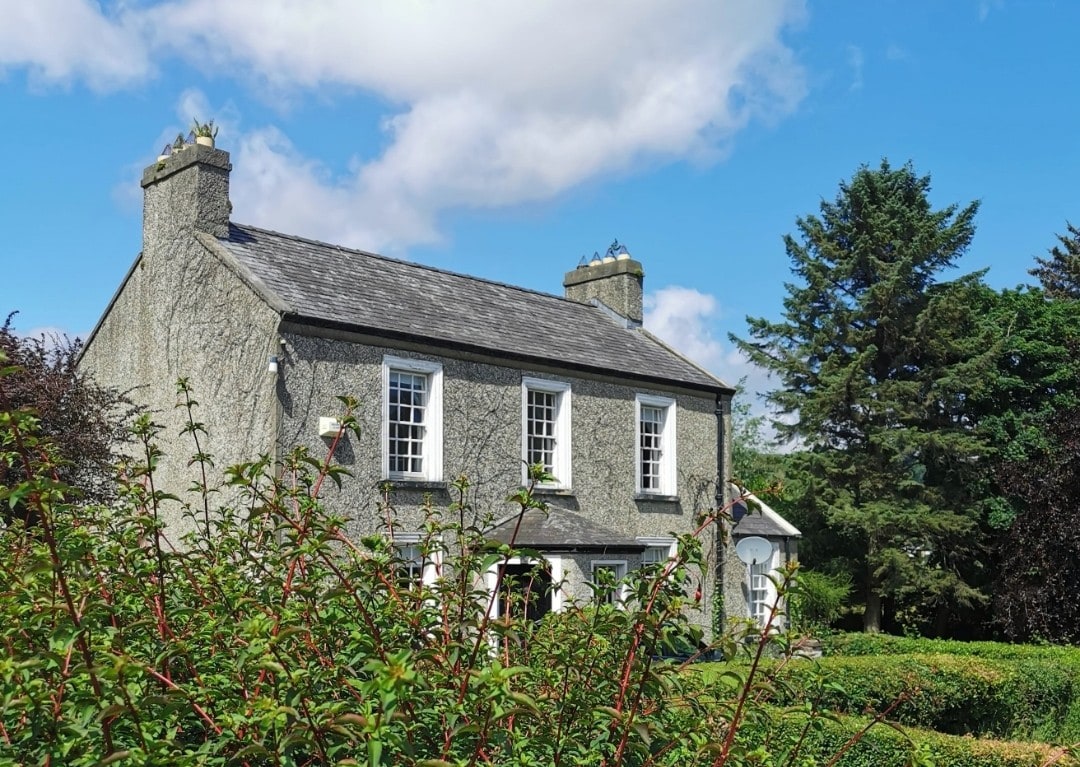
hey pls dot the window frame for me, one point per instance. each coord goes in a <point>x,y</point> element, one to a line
<point>432,444</point>
<point>619,596</point>
<point>430,566</point>
<point>668,471</point>
<point>562,453</point>
<point>761,579</point>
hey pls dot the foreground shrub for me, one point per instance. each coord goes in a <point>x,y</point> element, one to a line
<point>268,637</point>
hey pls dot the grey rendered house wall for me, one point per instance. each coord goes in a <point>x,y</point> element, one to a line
<point>181,313</point>
<point>482,417</point>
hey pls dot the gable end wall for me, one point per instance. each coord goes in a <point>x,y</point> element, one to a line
<point>183,314</point>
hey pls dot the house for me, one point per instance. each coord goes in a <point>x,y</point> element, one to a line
<point>455,376</point>
<point>755,595</point>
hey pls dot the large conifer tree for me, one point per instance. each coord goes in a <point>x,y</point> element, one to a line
<point>1060,273</point>
<point>877,356</point>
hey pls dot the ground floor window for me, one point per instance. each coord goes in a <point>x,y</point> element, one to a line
<point>608,578</point>
<point>761,591</point>
<point>658,551</point>
<point>418,561</point>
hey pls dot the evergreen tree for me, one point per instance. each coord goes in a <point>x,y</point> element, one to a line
<point>877,359</point>
<point>1060,273</point>
<point>755,465</point>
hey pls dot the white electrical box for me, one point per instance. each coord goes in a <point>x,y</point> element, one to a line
<point>328,427</point>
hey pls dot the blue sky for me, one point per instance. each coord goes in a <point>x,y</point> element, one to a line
<point>506,139</point>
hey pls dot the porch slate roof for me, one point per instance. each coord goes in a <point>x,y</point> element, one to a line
<point>561,530</point>
<point>758,518</point>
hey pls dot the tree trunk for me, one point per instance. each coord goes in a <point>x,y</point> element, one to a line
<point>872,616</point>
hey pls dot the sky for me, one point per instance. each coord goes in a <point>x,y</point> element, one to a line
<point>508,138</point>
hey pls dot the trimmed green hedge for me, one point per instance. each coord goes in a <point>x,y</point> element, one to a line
<point>886,644</point>
<point>1018,700</point>
<point>883,746</point>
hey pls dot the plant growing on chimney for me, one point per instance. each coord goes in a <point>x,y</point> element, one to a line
<point>179,142</point>
<point>204,130</point>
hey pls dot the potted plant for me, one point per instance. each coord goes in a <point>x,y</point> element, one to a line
<point>205,133</point>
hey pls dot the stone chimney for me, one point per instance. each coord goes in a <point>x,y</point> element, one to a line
<point>614,281</point>
<point>183,193</point>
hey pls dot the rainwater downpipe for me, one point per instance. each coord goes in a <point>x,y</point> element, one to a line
<point>723,404</point>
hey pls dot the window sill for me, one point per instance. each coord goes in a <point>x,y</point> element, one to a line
<point>551,490</point>
<point>415,484</point>
<point>656,497</point>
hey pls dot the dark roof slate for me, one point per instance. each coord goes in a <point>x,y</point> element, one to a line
<point>562,530</point>
<point>327,284</point>
<point>755,521</point>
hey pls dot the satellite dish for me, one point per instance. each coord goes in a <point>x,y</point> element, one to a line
<point>753,550</point>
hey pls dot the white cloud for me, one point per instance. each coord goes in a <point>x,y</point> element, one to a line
<point>986,6</point>
<point>491,103</point>
<point>685,319</point>
<point>682,317</point>
<point>51,337</point>
<point>59,41</point>
<point>855,61</point>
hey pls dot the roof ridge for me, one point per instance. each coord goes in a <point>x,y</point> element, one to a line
<point>416,264</point>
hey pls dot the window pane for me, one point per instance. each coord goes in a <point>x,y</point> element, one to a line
<point>410,573</point>
<point>609,575</point>
<point>651,428</point>
<point>542,411</point>
<point>655,555</point>
<point>407,395</point>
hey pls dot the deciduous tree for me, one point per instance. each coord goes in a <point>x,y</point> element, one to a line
<point>1035,597</point>
<point>85,422</point>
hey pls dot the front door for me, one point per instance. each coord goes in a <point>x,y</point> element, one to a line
<point>525,587</point>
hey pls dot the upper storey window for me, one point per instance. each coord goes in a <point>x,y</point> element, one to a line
<point>412,419</point>
<point>655,457</point>
<point>546,427</point>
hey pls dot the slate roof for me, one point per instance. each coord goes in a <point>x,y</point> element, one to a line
<point>557,529</point>
<point>331,286</point>
<point>757,518</point>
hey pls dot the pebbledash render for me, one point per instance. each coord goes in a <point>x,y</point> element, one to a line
<point>455,375</point>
